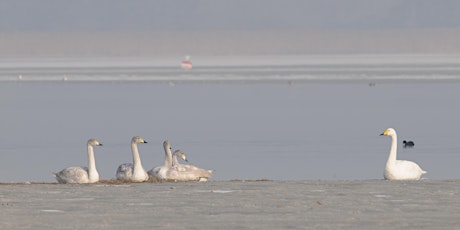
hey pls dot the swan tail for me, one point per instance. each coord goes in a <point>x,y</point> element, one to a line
<point>423,172</point>
<point>54,174</point>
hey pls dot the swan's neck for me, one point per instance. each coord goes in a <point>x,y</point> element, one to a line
<point>92,172</point>
<point>168,158</point>
<point>136,158</point>
<point>393,149</point>
<point>174,160</point>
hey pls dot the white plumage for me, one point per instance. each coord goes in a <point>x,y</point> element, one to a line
<point>133,172</point>
<point>400,169</point>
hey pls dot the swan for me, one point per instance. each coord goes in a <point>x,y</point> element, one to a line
<point>133,172</point>
<point>154,172</point>
<point>399,169</point>
<point>178,172</point>
<point>178,153</point>
<point>190,171</point>
<point>408,144</point>
<point>160,172</point>
<point>81,175</point>
<point>175,155</point>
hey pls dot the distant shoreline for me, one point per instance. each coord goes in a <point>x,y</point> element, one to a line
<point>372,69</point>
<point>229,42</point>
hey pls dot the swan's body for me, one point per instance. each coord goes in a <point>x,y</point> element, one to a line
<point>189,172</point>
<point>400,169</point>
<point>172,170</point>
<point>81,175</point>
<point>133,172</point>
<point>153,172</point>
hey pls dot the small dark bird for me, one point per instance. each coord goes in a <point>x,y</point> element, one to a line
<point>408,144</point>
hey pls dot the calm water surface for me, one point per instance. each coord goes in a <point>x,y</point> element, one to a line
<point>266,130</point>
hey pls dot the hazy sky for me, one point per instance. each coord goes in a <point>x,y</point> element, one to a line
<point>227,27</point>
<point>152,15</point>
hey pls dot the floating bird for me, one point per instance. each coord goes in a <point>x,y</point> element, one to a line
<point>399,169</point>
<point>408,144</point>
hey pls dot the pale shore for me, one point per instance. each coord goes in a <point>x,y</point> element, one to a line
<point>367,204</point>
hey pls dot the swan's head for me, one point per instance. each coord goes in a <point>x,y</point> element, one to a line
<point>180,154</point>
<point>94,142</point>
<point>138,139</point>
<point>167,145</point>
<point>389,132</point>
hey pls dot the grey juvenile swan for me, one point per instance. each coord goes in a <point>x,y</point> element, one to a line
<point>192,172</point>
<point>81,175</point>
<point>178,172</point>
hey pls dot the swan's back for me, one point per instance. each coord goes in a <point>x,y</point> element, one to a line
<point>403,170</point>
<point>186,172</point>
<point>153,173</point>
<point>72,175</point>
<point>125,172</point>
<point>189,174</point>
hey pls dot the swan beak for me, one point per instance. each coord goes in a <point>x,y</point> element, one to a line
<point>100,144</point>
<point>382,134</point>
<point>145,142</point>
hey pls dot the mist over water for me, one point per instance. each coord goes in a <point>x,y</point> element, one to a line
<point>276,127</point>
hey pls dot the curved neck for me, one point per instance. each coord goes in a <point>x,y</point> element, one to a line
<point>92,172</point>
<point>136,158</point>
<point>393,149</point>
<point>168,158</point>
<point>174,160</point>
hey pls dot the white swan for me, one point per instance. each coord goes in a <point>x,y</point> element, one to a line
<point>179,172</point>
<point>189,172</point>
<point>399,169</point>
<point>81,175</point>
<point>133,172</point>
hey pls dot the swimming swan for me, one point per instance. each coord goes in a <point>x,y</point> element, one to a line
<point>399,169</point>
<point>133,172</point>
<point>194,173</point>
<point>81,175</point>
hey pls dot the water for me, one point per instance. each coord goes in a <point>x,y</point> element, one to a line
<point>259,124</point>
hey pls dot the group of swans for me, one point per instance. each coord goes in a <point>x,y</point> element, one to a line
<point>134,172</point>
<point>173,170</point>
